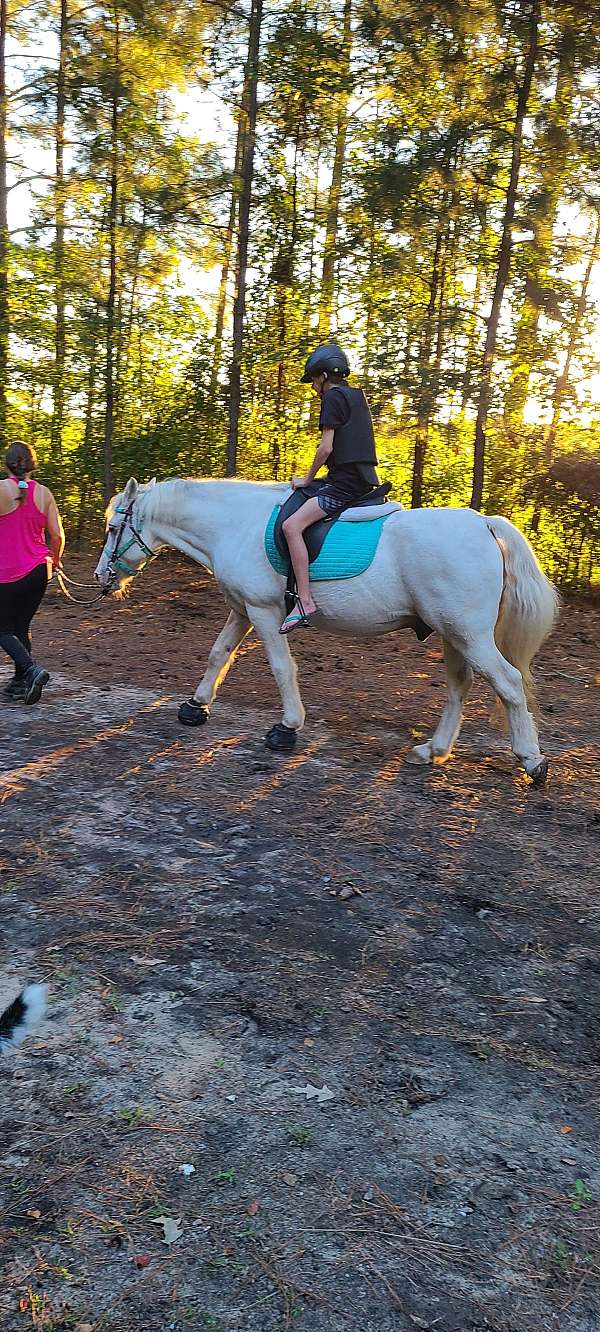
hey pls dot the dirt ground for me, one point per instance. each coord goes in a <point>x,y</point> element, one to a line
<point>224,931</point>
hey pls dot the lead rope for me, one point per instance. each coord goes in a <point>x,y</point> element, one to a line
<point>63,579</point>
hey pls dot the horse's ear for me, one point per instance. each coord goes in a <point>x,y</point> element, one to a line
<point>131,490</point>
<point>152,482</point>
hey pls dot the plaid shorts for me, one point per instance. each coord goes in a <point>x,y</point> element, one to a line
<point>332,498</point>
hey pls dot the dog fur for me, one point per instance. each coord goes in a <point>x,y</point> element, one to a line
<point>19,1019</point>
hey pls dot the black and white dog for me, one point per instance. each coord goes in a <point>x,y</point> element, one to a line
<point>19,1019</point>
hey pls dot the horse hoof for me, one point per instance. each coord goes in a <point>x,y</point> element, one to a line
<point>539,774</point>
<point>421,755</point>
<point>281,739</point>
<point>192,713</point>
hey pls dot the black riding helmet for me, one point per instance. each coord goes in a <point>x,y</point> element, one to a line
<point>326,360</point>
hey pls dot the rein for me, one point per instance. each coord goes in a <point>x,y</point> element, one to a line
<point>63,579</point>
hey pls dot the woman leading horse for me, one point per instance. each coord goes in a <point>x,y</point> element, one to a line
<point>31,545</point>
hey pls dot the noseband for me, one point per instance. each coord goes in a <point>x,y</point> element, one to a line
<point>116,562</point>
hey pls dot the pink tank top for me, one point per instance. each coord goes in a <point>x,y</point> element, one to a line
<point>22,541</point>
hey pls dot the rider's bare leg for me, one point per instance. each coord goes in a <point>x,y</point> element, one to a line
<point>293,528</point>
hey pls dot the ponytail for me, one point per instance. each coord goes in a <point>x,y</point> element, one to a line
<point>20,459</point>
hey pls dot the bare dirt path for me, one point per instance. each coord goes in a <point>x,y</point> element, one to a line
<point>223,929</point>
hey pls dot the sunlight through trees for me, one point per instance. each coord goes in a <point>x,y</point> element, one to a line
<point>420,181</point>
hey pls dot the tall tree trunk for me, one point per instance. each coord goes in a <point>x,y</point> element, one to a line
<point>86,460</point>
<point>134,270</point>
<point>280,391</point>
<point>472,337</point>
<point>4,236</point>
<point>555,150</point>
<point>58,405</point>
<point>311,256</point>
<point>248,116</point>
<point>335,189</point>
<point>313,405</point>
<point>226,265</point>
<point>369,298</point>
<point>425,399</point>
<point>286,265</point>
<point>429,363</point>
<point>504,257</point>
<point>109,411</point>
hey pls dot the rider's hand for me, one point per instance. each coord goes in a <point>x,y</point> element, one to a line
<point>298,482</point>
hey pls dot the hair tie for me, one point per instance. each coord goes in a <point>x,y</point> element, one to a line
<point>22,485</point>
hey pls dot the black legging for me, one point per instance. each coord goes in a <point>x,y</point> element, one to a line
<point>18,604</point>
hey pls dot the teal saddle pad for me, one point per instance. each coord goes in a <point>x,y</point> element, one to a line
<point>348,549</point>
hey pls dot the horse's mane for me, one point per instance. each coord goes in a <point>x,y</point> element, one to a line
<point>164,500</point>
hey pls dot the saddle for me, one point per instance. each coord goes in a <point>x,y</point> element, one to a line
<point>374,504</point>
<point>314,536</point>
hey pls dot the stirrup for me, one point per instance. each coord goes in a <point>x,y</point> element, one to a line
<point>299,620</point>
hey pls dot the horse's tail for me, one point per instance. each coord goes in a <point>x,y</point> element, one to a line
<point>22,1015</point>
<point>529,604</point>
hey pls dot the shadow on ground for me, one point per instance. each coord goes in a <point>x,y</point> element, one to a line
<point>224,930</point>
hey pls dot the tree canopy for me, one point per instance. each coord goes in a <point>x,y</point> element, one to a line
<point>192,196</point>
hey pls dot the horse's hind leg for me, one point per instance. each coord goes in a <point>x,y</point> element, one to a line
<point>460,679</point>
<point>220,658</point>
<point>507,681</point>
<point>266,621</point>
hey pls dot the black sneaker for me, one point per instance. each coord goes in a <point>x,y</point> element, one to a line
<point>35,679</point>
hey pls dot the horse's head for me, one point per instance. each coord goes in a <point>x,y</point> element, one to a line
<point>128,547</point>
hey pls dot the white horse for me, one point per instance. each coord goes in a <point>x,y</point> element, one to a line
<point>473,579</point>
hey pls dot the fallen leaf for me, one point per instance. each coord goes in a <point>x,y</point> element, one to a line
<point>147,961</point>
<point>309,1043</point>
<point>566,1128</point>
<point>172,1228</point>
<point>116,1040</point>
<point>142,1259</point>
<point>289,1178</point>
<point>252,1208</point>
<point>349,891</point>
<point>229,1251</point>
<point>186,1170</point>
<point>312,1093</point>
<point>34,1213</point>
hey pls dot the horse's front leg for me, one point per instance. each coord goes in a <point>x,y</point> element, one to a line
<point>282,736</point>
<point>221,656</point>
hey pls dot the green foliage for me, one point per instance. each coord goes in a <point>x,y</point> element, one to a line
<point>581,1195</point>
<point>426,161</point>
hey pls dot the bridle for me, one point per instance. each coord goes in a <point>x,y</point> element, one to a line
<point>115,561</point>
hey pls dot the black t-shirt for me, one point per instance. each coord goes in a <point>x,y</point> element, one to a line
<point>345,411</point>
<point>335,410</point>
